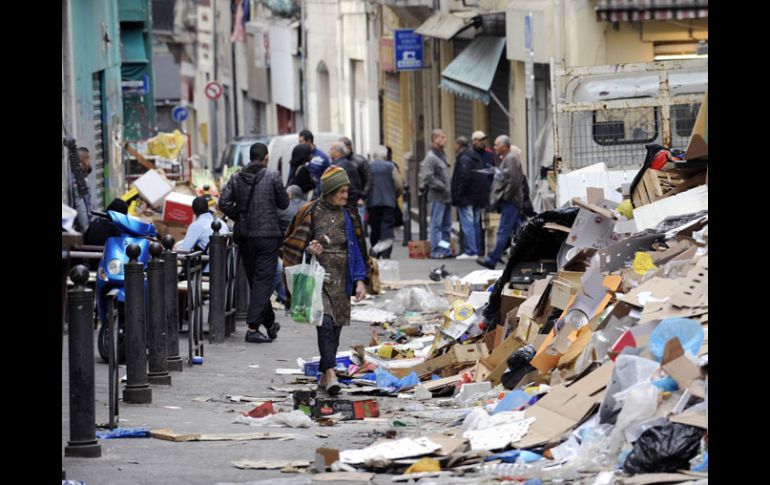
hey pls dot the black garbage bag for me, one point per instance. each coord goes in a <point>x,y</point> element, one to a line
<point>518,366</point>
<point>664,449</point>
<point>533,243</point>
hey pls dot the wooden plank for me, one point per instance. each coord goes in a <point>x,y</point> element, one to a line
<point>688,184</point>
<point>439,383</point>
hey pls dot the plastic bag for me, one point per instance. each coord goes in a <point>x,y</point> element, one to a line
<point>664,449</point>
<point>689,332</point>
<point>386,380</point>
<point>306,283</point>
<point>514,399</point>
<point>641,404</point>
<point>419,299</point>
<point>629,370</point>
<point>123,433</point>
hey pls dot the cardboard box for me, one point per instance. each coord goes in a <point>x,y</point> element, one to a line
<point>511,299</point>
<point>178,208</point>
<point>564,407</point>
<point>457,355</point>
<point>153,188</point>
<point>176,229</point>
<point>318,408</point>
<point>419,249</point>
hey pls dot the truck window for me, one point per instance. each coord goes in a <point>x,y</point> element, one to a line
<point>683,117</point>
<point>625,126</point>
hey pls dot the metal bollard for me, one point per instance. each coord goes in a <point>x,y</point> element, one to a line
<point>241,291</point>
<point>156,326</point>
<point>80,303</point>
<point>407,217</point>
<point>137,390</point>
<point>173,359</point>
<point>423,214</point>
<point>216,285</point>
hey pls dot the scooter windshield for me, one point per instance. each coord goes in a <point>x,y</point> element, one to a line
<point>132,225</point>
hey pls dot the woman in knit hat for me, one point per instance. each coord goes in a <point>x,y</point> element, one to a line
<point>331,230</point>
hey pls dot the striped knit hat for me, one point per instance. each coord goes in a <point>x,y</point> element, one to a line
<point>333,178</point>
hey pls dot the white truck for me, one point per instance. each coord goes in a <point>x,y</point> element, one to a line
<point>605,115</point>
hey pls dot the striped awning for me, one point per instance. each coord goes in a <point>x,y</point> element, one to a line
<point>638,10</point>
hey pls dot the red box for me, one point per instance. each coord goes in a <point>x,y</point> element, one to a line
<point>419,249</point>
<point>178,208</point>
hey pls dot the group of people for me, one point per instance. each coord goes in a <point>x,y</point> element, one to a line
<point>482,180</point>
<point>319,213</point>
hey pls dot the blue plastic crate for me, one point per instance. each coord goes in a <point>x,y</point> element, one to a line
<point>311,368</point>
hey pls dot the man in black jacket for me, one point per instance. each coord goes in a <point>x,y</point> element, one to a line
<point>364,172</point>
<point>468,195</point>
<point>252,198</point>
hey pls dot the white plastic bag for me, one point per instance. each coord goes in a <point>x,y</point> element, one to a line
<point>312,272</point>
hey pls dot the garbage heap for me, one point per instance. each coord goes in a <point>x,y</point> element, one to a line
<point>587,361</point>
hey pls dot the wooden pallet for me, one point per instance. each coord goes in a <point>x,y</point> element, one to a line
<point>658,184</point>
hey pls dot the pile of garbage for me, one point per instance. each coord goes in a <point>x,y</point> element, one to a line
<point>587,358</point>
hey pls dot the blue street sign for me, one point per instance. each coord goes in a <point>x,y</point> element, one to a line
<point>408,50</point>
<point>180,114</point>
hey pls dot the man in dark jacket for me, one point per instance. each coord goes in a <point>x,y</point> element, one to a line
<point>364,173</point>
<point>468,196</point>
<point>259,223</point>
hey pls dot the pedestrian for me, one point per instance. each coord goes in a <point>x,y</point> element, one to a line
<point>100,229</point>
<point>252,198</point>
<point>382,205</point>
<point>198,233</point>
<point>507,197</point>
<point>436,179</point>
<point>81,204</point>
<point>482,180</point>
<point>331,230</point>
<point>299,169</point>
<point>319,161</point>
<point>296,200</point>
<point>361,164</point>
<point>340,157</point>
<point>468,196</point>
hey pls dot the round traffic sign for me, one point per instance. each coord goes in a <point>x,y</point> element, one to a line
<point>180,114</point>
<point>214,90</point>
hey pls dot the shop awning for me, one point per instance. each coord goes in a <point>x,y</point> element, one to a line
<point>442,25</point>
<point>638,10</point>
<point>471,73</point>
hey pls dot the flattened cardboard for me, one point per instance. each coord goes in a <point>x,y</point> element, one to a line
<point>564,407</point>
<point>511,299</point>
<point>697,419</point>
<point>650,478</point>
<point>448,444</point>
<point>653,289</point>
<point>676,365</point>
<point>594,194</point>
<point>592,230</point>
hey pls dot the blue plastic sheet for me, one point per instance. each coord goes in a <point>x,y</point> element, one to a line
<point>666,384</point>
<point>386,380</point>
<point>511,402</point>
<point>123,433</point>
<point>689,332</point>
<point>513,455</point>
<point>704,465</point>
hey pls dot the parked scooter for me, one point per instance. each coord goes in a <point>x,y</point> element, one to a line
<point>110,279</point>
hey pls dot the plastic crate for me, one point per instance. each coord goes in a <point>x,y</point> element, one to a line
<point>311,368</point>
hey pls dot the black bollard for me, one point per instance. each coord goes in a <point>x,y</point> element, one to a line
<point>423,214</point>
<point>137,390</point>
<point>156,326</point>
<point>407,217</point>
<point>173,359</point>
<point>82,442</point>
<point>217,285</point>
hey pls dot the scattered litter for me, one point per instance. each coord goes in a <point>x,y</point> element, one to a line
<point>270,465</point>
<point>167,434</point>
<point>123,433</point>
<point>293,419</point>
<point>171,407</point>
<point>344,477</point>
<point>391,450</point>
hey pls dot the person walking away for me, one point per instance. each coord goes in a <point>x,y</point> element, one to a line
<point>387,186</point>
<point>361,165</point>
<point>330,229</point>
<point>252,198</point>
<point>436,179</point>
<point>507,197</point>
<point>299,169</point>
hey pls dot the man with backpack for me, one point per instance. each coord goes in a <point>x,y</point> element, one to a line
<point>253,198</point>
